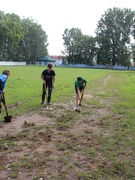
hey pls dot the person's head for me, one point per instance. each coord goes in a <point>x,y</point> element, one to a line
<point>49,67</point>
<point>6,72</point>
<point>79,80</point>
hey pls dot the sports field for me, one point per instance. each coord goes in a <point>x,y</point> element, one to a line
<point>97,143</point>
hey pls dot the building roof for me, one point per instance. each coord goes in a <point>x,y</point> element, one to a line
<point>46,58</point>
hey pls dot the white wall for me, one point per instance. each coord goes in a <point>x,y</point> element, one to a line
<point>58,62</point>
<point>4,63</point>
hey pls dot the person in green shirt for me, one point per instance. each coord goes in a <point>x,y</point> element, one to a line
<point>80,85</point>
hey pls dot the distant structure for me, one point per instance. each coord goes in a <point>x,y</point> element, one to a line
<point>46,60</point>
<point>133,63</point>
<point>57,58</point>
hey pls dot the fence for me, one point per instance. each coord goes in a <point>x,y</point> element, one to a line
<point>96,66</point>
<point>6,63</point>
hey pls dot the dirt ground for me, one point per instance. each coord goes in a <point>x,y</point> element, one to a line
<point>44,117</point>
<point>57,144</point>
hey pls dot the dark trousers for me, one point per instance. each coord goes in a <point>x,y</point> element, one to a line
<point>1,101</point>
<point>80,88</point>
<point>45,89</point>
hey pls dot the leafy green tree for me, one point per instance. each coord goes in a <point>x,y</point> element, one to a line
<point>79,48</point>
<point>113,32</point>
<point>21,40</point>
<point>34,44</point>
<point>133,53</point>
<point>72,42</point>
<point>15,35</point>
<point>88,49</point>
<point>12,34</point>
<point>2,32</point>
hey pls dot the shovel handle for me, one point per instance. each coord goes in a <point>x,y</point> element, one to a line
<point>81,97</point>
<point>6,109</point>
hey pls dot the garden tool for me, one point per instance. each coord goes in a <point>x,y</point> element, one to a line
<point>7,117</point>
<point>81,94</point>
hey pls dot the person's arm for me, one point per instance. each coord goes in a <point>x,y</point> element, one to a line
<point>84,87</point>
<point>79,93</point>
<point>42,77</point>
<point>54,79</point>
<point>1,86</point>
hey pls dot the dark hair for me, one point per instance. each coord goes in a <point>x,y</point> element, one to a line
<point>49,65</point>
<point>6,72</point>
<point>79,78</point>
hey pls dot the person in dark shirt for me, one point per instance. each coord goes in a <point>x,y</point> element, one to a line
<point>48,77</point>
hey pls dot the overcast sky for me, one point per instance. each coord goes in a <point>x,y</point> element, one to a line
<point>57,15</point>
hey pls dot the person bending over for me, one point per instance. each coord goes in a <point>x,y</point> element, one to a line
<point>3,79</point>
<point>80,85</point>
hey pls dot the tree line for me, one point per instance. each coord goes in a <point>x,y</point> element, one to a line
<point>25,40</point>
<point>112,44</point>
<point>21,39</point>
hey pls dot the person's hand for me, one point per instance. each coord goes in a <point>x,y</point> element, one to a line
<point>44,82</point>
<point>53,86</point>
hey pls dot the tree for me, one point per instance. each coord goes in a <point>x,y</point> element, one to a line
<point>88,49</point>
<point>2,32</point>
<point>21,40</point>
<point>12,34</point>
<point>34,44</point>
<point>133,53</point>
<point>113,36</point>
<point>72,42</point>
<point>79,48</point>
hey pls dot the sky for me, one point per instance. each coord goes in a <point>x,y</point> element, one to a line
<point>57,15</point>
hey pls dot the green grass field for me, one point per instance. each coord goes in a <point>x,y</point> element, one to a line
<point>97,143</point>
<point>25,84</point>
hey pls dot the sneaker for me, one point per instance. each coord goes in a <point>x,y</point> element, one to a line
<point>76,107</point>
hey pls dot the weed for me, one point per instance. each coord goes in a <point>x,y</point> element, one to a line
<point>14,175</point>
<point>82,175</point>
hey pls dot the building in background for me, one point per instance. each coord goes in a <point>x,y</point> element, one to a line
<point>46,60</point>
<point>57,58</point>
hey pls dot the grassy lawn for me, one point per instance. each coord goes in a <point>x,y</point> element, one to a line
<point>25,86</point>
<point>97,143</point>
